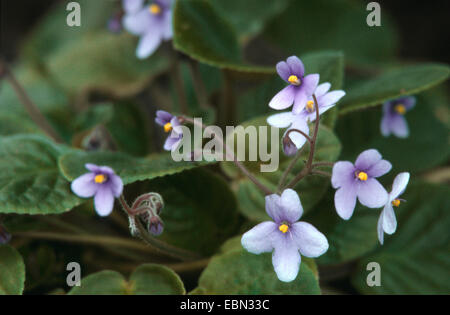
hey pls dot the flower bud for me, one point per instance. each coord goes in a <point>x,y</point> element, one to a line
<point>289,147</point>
<point>155,225</point>
<point>5,237</point>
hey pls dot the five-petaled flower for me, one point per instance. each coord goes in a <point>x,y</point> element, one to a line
<point>300,87</point>
<point>325,101</point>
<point>170,124</point>
<point>359,180</point>
<point>393,120</point>
<point>285,237</point>
<point>102,183</point>
<point>153,23</point>
<point>387,223</point>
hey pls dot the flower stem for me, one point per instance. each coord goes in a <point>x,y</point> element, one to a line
<point>178,82</point>
<point>308,168</point>
<point>230,154</point>
<point>199,85</point>
<point>28,104</point>
<point>161,246</point>
<point>300,132</point>
<point>289,169</point>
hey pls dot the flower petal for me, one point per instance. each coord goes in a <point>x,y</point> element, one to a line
<point>148,44</point>
<point>300,124</point>
<point>281,120</point>
<point>309,83</point>
<point>342,174</point>
<point>380,231</point>
<point>345,201</point>
<point>296,66</point>
<point>291,206</point>
<point>331,98</point>
<point>409,102</point>
<point>399,185</point>
<point>385,125</point>
<point>258,239</point>
<point>163,117</point>
<point>371,193</point>
<point>283,70</point>
<point>132,6</point>
<point>137,23</point>
<point>399,126</point>
<point>367,159</point>
<point>380,168</point>
<point>309,240</point>
<point>300,100</point>
<point>284,98</point>
<point>104,201</point>
<point>389,219</point>
<point>273,207</point>
<point>322,89</point>
<point>167,31</point>
<point>84,186</point>
<point>171,143</point>
<point>116,185</point>
<point>286,259</point>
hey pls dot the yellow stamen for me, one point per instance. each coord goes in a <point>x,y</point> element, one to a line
<point>362,176</point>
<point>310,106</point>
<point>167,127</point>
<point>396,202</point>
<point>400,108</point>
<point>154,9</point>
<point>283,228</point>
<point>100,179</point>
<point>293,79</point>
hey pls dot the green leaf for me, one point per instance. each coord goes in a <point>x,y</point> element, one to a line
<point>145,280</point>
<point>310,189</point>
<point>393,84</point>
<point>248,17</point>
<point>30,182</point>
<point>130,169</point>
<point>197,203</point>
<point>201,33</point>
<point>244,273</point>
<point>416,259</point>
<point>307,26</point>
<point>427,142</point>
<point>106,62</point>
<point>12,271</point>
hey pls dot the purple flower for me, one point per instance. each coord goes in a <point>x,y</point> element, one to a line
<point>285,237</point>
<point>393,120</point>
<point>300,87</point>
<point>115,24</point>
<point>359,181</point>
<point>325,101</point>
<point>288,119</point>
<point>171,124</point>
<point>153,23</point>
<point>387,223</point>
<point>102,183</point>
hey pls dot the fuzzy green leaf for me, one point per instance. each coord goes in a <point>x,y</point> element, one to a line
<point>12,271</point>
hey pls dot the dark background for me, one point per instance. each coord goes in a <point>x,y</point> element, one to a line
<point>423,26</point>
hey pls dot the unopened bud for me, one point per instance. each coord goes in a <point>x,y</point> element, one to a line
<point>289,147</point>
<point>5,237</point>
<point>155,225</point>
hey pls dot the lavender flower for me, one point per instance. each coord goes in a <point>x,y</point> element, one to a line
<point>153,23</point>
<point>102,183</point>
<point>393,120</point>
<point>300,87</point>
<point>286,237</point>
<point>359,181</point>
<point>325,100</point>
<point>387,223</point>
<point>170,123</point>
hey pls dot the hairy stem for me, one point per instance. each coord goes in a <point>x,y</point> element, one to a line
<point>28,104</point>
<point>289,169</point>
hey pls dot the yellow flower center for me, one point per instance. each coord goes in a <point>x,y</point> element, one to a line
<point>400,108</point>
<point>362,176</point>
<point>283,228</point>
<point>100,178</point>
<point>310,106</point>
<point>293,79</point>
<point>167,127</point>
<point>396,202</point>
<point>154,9</point>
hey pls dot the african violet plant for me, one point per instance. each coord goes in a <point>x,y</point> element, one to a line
<point>105,115</point>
